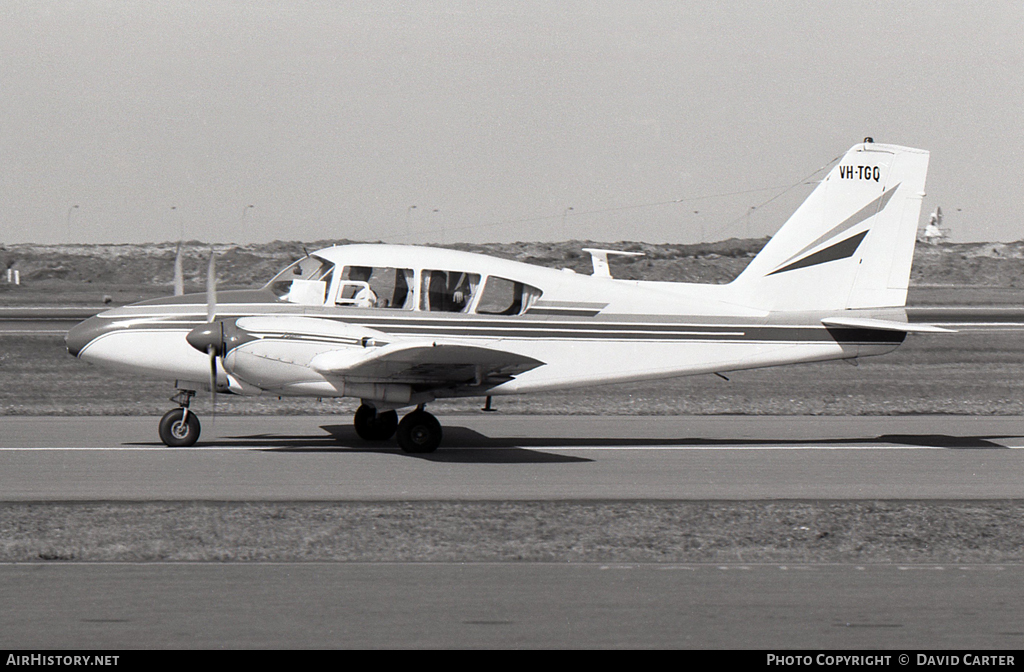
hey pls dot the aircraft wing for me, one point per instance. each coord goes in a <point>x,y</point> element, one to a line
<point>362,354</point>
<point>885,325</point>
<point>426,362</point>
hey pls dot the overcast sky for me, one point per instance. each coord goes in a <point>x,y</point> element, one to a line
<point>132,121</point>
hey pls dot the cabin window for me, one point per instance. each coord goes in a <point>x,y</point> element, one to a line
<point>376,287</point>
<point>306,281</point>
<point>506,297</point>
<point>448,291</point>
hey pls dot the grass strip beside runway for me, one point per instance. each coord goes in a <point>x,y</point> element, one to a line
<point>443,531</point>
<point>965,373</point>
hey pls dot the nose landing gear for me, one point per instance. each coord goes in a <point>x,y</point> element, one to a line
<point>180,427</point>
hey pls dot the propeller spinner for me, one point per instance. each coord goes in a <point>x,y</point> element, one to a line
<point>208,338</point>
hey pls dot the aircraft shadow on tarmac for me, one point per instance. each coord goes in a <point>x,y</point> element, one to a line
<point>463,438</point>
<point>474,447</point>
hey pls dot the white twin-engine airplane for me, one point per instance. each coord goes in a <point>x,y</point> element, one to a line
<point>399,326</point>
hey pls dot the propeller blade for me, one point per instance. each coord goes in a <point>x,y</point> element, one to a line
<point>179,278</point>
<point>213,381</point>
<point>211,288</point>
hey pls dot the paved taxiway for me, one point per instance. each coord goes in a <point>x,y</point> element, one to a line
<point>520,457</point>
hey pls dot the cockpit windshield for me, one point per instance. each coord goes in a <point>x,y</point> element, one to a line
<point>305,281</point>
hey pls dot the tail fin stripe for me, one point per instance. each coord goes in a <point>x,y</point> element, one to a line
<point>869,210</point>
<point>840,250</point>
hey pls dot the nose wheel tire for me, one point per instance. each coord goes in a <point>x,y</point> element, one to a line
<point>373,426</point>
<point>419,432</point>
<point>177,429</point>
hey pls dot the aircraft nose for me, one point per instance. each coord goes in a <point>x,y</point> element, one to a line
<point>83,334</point>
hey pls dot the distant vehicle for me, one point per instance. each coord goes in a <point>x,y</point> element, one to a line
<point>934,233</point>
<point>401,326</point>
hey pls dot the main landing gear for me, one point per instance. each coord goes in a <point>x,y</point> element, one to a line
<point>373,426</point>
<point>418,432</point>
<point>180,427</point>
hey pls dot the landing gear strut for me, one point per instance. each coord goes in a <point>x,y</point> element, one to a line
<point>419,432</point>
<point>180,427</point>
<point>373,426</point>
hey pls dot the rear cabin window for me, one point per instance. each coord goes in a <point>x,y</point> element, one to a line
<point>448,291</point>
<point>506,297</point>
<point>376,287</point>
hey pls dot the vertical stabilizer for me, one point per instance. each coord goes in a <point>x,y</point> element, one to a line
<point>850,244</point>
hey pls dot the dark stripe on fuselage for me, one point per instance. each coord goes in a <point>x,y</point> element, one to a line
<point>848,336</point>
<point>527,329</point>
<point>562,312</point>
<point>844,335</point>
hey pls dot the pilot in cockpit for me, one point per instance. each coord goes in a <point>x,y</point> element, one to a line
<point>461,293</point>
<point>365,297</point>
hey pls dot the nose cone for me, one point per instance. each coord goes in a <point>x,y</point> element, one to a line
<point>207,336</point>
<point>84,333</point>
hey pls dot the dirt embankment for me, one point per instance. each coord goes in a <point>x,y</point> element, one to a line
<point>152,265</point>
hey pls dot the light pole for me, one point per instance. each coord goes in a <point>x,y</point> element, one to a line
<point>432,225</point>
<point>242,219</point>
<point>408,221</point>
<point>565,215</point>
<point>68,222</point>
<point>181,238</point>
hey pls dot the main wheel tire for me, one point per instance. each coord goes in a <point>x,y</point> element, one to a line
<point>419,432</point>
<point>175,432</point>
<point>373,426</point>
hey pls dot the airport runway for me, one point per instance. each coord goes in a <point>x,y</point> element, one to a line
<point>42,320</point>
<point>493,457</point>
<point>68,605</point>
<point>513,605</point>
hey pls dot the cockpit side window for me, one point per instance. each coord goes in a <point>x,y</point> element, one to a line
<point>506,297</point>
<point>306,281</point>
<point>376,287</point>
<point>448,291</point>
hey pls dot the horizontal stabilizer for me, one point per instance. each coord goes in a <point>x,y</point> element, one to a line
<point>885,325</point>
